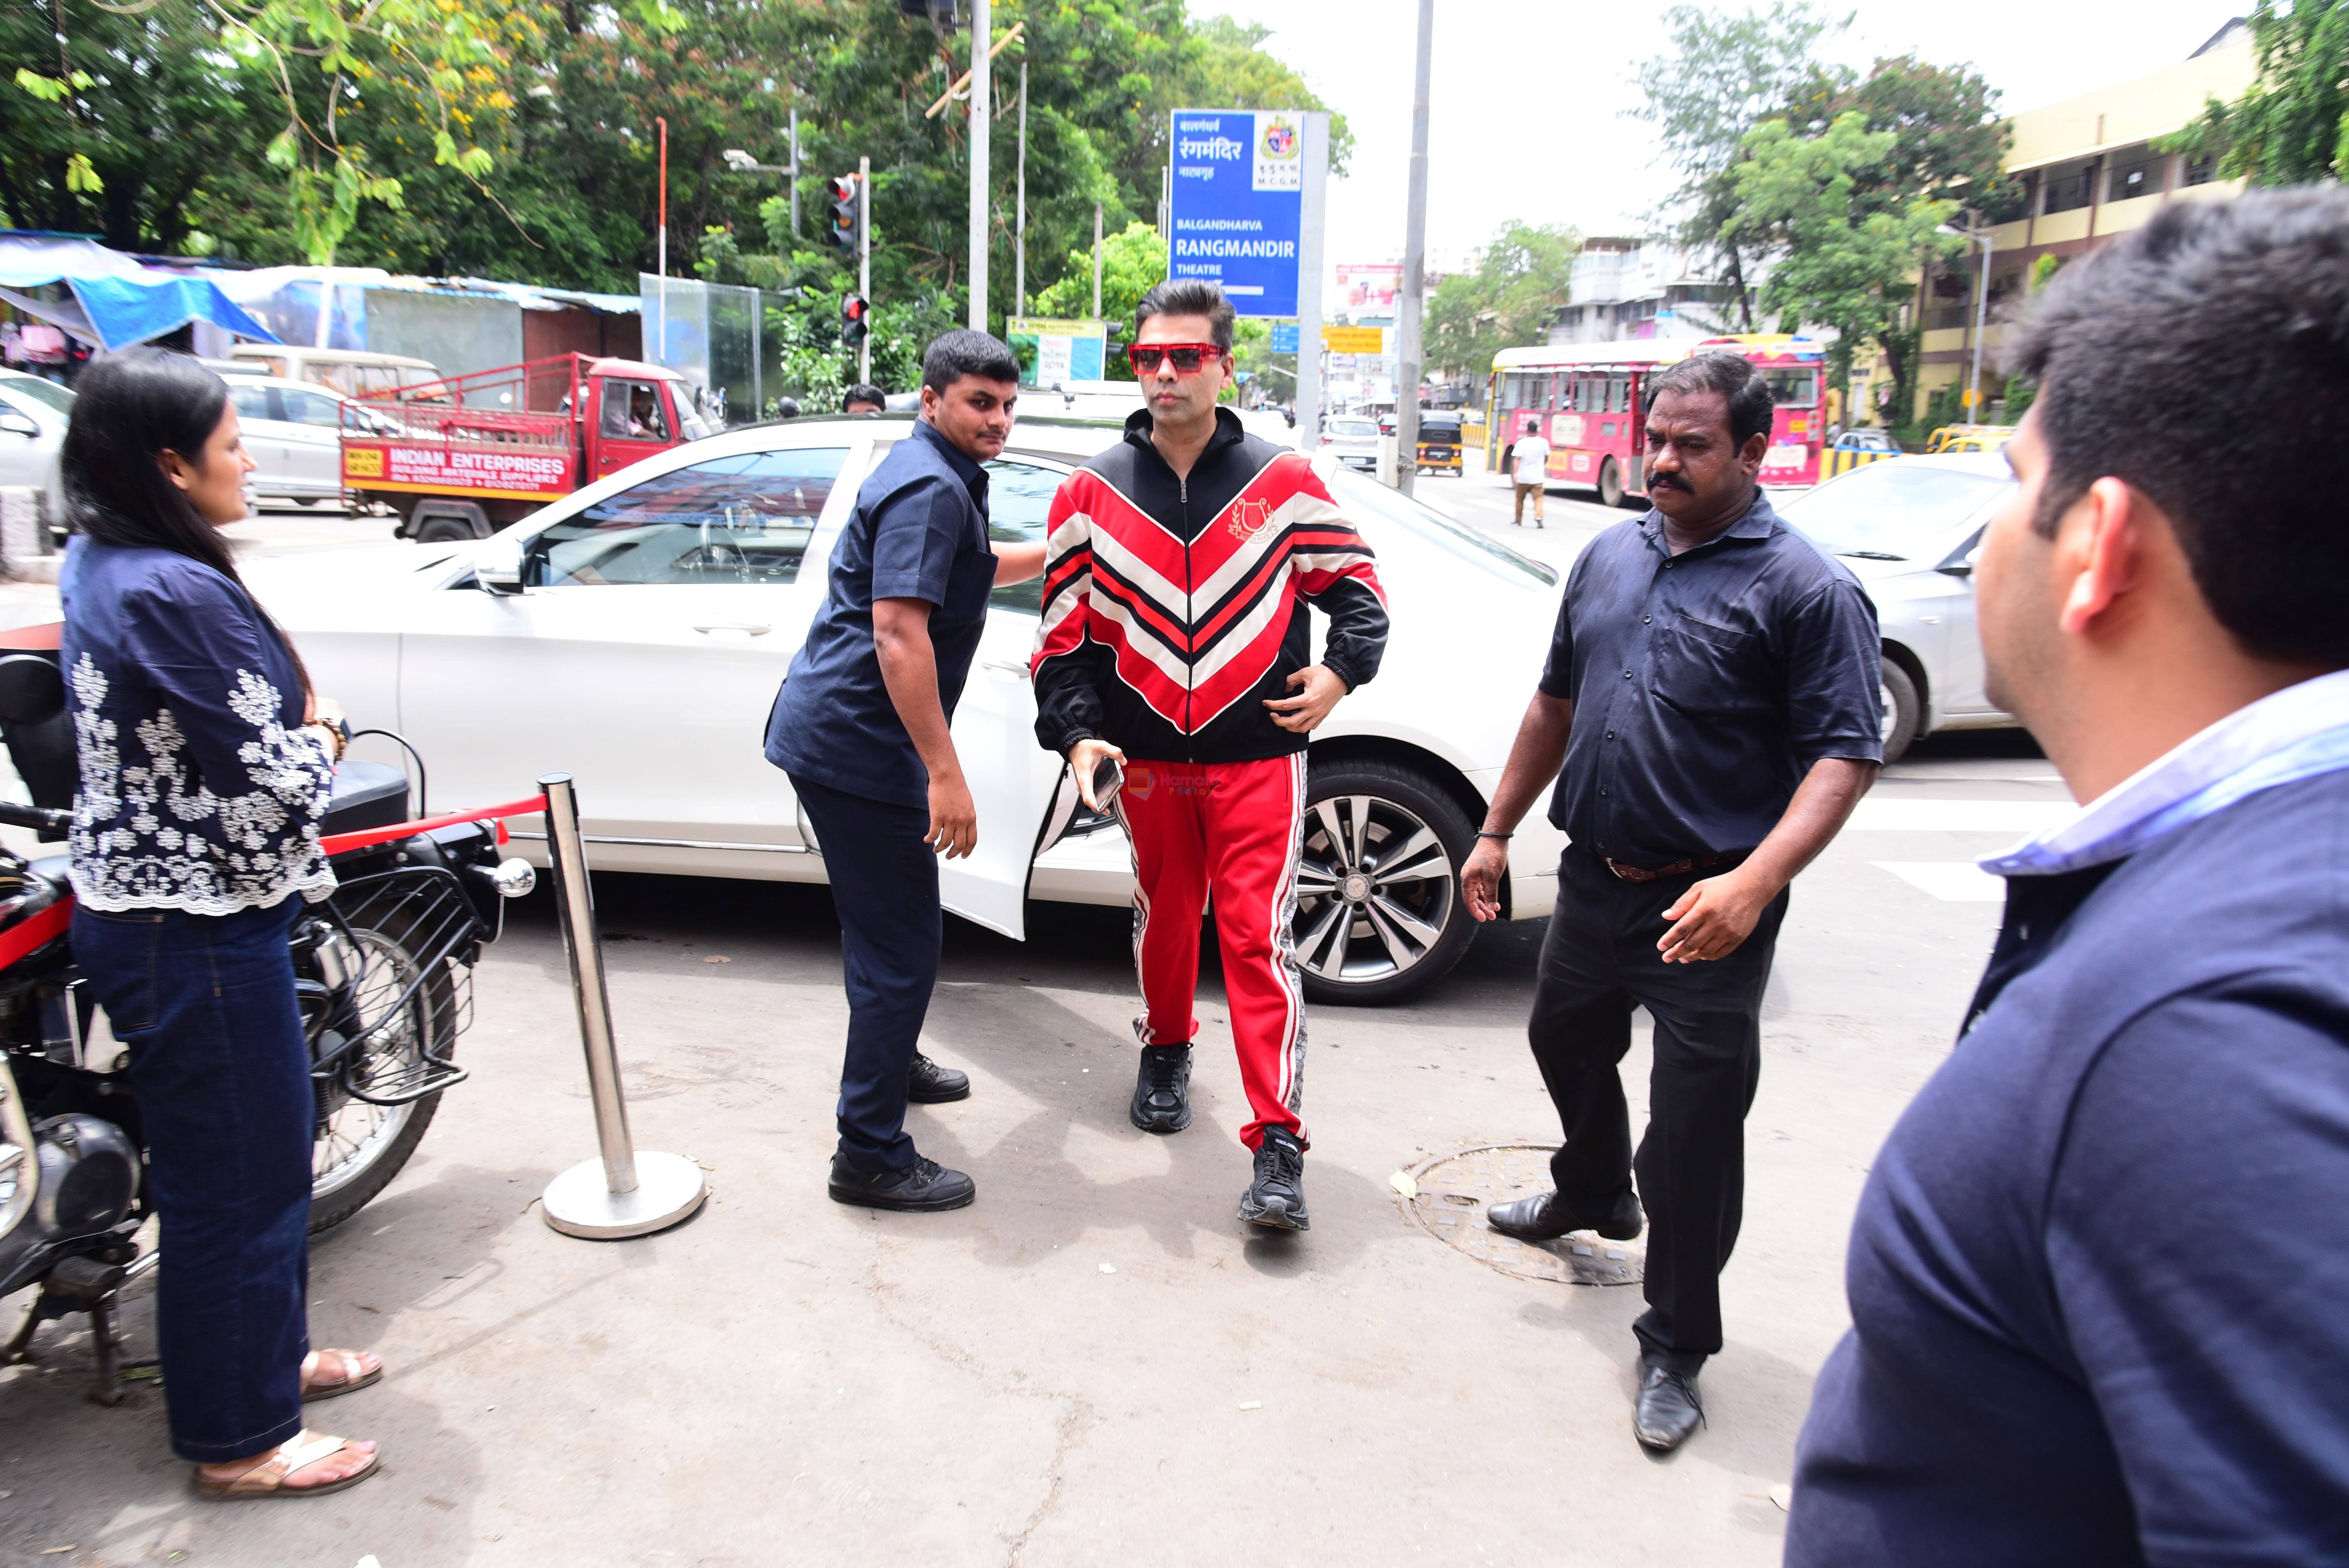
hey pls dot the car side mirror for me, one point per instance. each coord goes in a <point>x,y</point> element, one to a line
<point>1963,566</point>
<point>497,564</point>
<point>19,424</point>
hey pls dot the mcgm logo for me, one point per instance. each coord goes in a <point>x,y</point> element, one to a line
<point>1280,163</point>
<point>1279,139</point>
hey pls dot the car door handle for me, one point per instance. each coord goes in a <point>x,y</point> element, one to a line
<point>1007,666</point>
<point>748,628</point>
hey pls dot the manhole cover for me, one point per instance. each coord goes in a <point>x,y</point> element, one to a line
<point>1453,1191</point>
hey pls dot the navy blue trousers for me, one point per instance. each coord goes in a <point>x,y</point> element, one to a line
<point>884,886</point>
<point>205,1003</point>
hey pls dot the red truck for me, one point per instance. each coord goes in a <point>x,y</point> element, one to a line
<point>466,455</point>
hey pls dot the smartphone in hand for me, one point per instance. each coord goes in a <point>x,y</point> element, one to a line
<point>1108,779</point>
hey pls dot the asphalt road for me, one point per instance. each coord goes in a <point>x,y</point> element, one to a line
<point>1095,1363</point>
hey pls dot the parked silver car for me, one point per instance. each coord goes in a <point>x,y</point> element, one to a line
<point>1908,529</point>
<point>294,432</point>
<point>1352,439</point>
<point>33,416</point>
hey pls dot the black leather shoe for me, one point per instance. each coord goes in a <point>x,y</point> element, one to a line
<point>1162,1090</point>
<point>923,1187</point>
<point>1543,1218</point>
<point>926,1083</point>
<point>1276,1199</point>
<point>1668,1411</point>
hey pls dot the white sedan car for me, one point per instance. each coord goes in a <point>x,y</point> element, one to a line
<point>634,634</point>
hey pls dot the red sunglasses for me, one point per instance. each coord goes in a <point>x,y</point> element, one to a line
<point>1187,356</point>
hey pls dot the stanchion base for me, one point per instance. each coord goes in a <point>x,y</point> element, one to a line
<point>669,1187</point>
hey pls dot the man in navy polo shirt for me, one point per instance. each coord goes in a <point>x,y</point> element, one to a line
<point>2099,1277</point>
<point>1710,712</point>
<point>861,726</point>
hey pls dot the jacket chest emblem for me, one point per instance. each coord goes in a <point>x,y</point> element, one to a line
<point>1249,517</point>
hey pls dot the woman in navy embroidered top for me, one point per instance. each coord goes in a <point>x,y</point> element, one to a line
<point>206,764</point>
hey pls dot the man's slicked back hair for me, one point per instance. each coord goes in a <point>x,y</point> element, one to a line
<point>2203,359</point>
<point>964,352</point>
<point>1732,376</point>
<point>1190,296</point>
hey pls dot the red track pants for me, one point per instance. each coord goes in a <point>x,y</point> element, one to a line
<point>1230,829</point>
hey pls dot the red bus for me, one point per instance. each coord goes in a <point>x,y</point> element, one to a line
<point>1590,400</point>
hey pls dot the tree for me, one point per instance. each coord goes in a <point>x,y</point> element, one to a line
<point>1722,75</point>
<point>1507,298</point>
<point>2291,125</point>
<point>1949,139</point>
<point>1839,264</point>
<point>1132,263</point>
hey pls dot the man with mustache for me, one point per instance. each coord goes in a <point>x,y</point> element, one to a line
<point>1711,699</point>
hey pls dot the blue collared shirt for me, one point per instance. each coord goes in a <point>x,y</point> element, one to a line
<point>2295,733</point>
<point>1704,684</point>
<point>919,532</point>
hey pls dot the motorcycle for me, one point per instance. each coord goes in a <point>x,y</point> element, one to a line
<point>383,977</point>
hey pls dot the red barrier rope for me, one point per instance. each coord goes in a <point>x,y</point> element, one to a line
<point>337,844</point>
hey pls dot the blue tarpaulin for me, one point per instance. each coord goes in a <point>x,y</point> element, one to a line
<point>127,310</point>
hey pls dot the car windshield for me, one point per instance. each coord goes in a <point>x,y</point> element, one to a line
<point>1886,511</point>
<point>41,391</point>
<point>1352,490</point>
<point>1352,429</point>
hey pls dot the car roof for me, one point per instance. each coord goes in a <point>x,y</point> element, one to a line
<point>327,355</point>
<point>1044,435</point>
<point>1990,463</point>
<point>243,377</point>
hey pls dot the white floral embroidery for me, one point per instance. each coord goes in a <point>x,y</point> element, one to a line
<point>148,832</point>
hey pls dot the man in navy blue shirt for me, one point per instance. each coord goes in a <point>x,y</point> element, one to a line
<point>861,726</point>
<point>2099,1277</point>
<point>1710,712</point>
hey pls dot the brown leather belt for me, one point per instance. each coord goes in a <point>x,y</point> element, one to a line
<point>1678,867</point>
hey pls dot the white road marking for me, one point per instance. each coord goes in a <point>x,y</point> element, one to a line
<point>1956,882</point>
<point>1895,814</point>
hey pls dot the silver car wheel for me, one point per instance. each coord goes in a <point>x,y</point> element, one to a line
<point>1374,889</point>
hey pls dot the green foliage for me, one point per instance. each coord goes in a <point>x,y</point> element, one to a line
<point>1841,264</point>
<point>1949,140</point>
<point>2291,125</point>
<point>1132,263</point>
<point>1509,297</point>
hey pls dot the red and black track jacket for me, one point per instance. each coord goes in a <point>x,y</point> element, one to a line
<point>1172,607</point>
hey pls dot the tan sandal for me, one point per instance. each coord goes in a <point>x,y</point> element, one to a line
<point>354,1377</point>
<point>268,1477</point>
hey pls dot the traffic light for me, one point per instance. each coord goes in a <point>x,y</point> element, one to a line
<point>847,225</point>
<point>855,319</point>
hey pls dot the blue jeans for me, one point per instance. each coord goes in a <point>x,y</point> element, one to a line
<point>884,888</point>
<point>205,1004</point>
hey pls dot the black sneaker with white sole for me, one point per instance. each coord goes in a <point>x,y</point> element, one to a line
<point>1162,1090</point>
<point>1276,1199</point>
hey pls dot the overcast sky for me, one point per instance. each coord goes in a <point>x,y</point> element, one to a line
<point>1525,114</point>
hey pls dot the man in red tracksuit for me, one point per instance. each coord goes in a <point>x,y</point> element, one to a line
<point>1176,640</point>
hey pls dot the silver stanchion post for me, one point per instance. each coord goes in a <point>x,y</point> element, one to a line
<point>625,1192</point>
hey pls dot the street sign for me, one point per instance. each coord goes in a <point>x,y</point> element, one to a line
<point>1284,337</point>
<point>1053,353</point>
<point>1237,208</point>
<point>1354,339</point>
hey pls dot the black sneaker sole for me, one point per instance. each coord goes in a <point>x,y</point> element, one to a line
<point>857,1198</point>
<point>918,1097</point>
<point>1155,1125</point>
<point>1275,1219</point>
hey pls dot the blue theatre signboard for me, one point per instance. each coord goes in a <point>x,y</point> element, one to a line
<point>1237,203</point>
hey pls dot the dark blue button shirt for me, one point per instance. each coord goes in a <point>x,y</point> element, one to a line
<point>2099,1274</point>
<point>1705,685</point>
<point>919,532</point>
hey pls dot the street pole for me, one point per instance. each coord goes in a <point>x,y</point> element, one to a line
<point>1981,320</point>
<point>1097,259</point>
<point>1414,267</point>
<point>982,88</point>
<point>660,317</point>
<point>795,172</point>
<point>1312,214</point>
<point>1019,218</point>
<point>864,264</point>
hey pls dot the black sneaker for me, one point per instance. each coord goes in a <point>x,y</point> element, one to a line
<point>1276,1199</point>
<point>1546,1217</point>
<point>1162,1090</point>
<point>926,1083</point>
<point>923,1187</point>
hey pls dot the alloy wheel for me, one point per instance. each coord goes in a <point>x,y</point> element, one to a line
<point>1374,889</point>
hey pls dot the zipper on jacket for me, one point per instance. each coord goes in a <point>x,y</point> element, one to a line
<point>1190,624</point>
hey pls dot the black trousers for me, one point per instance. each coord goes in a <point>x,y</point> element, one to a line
<point>1599,961</point>
<point>884,888</point>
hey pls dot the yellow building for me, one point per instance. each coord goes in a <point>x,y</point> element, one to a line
<point>2089,172</point>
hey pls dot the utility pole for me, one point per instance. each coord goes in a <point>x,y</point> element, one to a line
<point>795,171</point>
<point>1097,261</point>
<point>1415,268</point>
<point>1019,219</point>
<point>660,316</point>
<point>1312,218</point>
<point>1975,410</point>
<point>982,89</point>
<point>864,260</point>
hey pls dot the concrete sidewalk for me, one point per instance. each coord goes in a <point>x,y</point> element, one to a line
<point>1093,1364</point>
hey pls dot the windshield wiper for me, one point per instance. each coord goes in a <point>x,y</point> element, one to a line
<point>1871,556</point>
